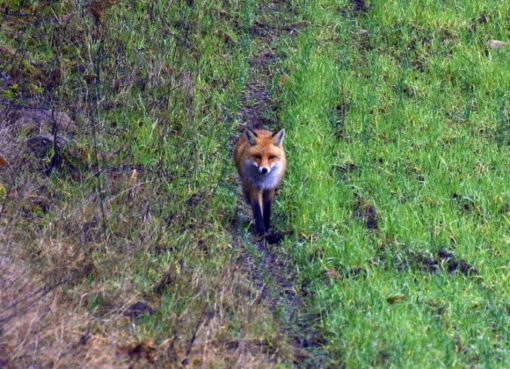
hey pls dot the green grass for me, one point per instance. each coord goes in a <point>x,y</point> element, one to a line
<point>398,126</point>
<point>425,126</point>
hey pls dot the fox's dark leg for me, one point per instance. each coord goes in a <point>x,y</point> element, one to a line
<point>256,205</point>
<point>267,200</point>
<point>246,196</point>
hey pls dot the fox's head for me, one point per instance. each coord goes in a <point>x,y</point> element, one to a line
<point>265,149</point>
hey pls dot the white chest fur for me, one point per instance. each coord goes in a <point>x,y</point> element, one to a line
<point>267,181</point>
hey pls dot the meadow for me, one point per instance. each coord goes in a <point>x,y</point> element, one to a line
<point>131,247</point>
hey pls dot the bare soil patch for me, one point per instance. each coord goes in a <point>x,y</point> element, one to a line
<point>442,260</point>
<point>367,212</point>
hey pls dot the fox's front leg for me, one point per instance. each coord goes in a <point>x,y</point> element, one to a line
<point>267,200</point>
<point>256,206</point>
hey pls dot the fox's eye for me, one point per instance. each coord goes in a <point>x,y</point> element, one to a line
<point>272,157</point>
<point>258,157</point>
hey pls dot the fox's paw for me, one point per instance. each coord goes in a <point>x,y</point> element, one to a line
<point>273,237</point>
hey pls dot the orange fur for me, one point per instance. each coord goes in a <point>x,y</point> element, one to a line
<point>260,160</point>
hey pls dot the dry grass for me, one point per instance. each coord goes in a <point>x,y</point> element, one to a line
<point>213,345</point>
<point>64,293</point>
<point>40,328</point>
<point>48,327</point>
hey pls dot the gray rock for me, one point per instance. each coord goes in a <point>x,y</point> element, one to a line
<point>39,119</point>
<point>497,44</point>
<point>138,309</point>
<point>41,145</point>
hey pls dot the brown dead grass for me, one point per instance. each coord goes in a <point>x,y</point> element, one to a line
<point>45,296</point>
<point>60,254</point>
<point>47,327</point>
<point>41,328</point>
<point>213,345</point>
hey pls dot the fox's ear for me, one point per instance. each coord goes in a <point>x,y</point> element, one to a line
<point>278,137</point>
<point>250,135</point>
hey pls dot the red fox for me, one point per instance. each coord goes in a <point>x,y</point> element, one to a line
<point>260,161</point>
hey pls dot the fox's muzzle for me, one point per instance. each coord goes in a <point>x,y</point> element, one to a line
<point>263,170</point>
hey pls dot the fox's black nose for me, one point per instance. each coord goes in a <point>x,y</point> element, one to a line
<point>263,170</point>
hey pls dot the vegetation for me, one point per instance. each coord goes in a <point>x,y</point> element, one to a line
<point>131,233</point>
<point>130,245</point>
<point>397,120</point>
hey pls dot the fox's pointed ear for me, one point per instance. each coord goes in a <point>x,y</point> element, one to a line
<point>278,137</point>
<point>250,135</point>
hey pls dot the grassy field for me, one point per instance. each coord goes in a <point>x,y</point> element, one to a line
<point>397,119</point>
<point>134,249</point>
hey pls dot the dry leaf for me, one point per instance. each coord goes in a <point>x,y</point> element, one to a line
<point>396,298</point>
<point>134,176</point>
<point>3,162</point>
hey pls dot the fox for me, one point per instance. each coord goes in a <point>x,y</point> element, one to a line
<point>260,160</point>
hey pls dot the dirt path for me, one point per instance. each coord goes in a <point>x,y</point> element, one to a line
<point>267,268</point>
